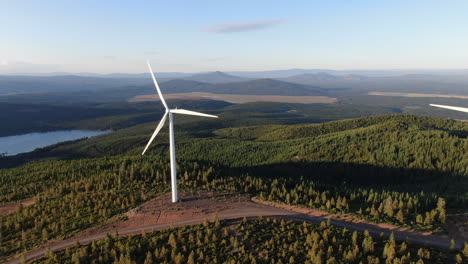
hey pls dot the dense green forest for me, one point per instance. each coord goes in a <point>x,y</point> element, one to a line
<point>255,241</point>
<point>251,87</point>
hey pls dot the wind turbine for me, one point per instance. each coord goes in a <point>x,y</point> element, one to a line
<point>169,113</point>
<point>456,108</point>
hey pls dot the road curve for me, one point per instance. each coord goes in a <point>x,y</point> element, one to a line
<point>71,242</point>
<point>260,210</point>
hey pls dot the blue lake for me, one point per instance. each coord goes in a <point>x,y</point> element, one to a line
<point>13,145</point>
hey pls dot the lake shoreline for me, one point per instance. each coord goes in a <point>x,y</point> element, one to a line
<point>28,142</point>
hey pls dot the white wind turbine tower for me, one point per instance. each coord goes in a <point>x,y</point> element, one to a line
<point>169,113</point>
<point>456,108</point>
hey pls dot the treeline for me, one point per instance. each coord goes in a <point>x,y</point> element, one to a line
<point>256,241</point>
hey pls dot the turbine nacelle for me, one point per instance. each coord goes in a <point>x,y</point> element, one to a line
<point>163,120</point>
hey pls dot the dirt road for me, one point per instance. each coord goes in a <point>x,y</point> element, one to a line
<point>353,223</point>
<point>159,214</point>
<point>12,207</point>
<point>237,209</point>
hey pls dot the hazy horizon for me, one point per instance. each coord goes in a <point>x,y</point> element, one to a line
<point>268,73</point>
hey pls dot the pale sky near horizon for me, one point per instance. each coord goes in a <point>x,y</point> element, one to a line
<point>194,36</point>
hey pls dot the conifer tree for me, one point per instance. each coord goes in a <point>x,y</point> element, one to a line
<point>149,258</point>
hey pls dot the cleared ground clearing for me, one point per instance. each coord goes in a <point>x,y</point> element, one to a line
<point>420,95</point>
<point>239,98</point>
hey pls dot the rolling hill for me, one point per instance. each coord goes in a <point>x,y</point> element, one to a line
<point>394,141</point>
<point>254,87</point>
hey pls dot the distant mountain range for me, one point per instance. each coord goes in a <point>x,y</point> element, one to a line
<point>104,89</point>
<point>87,81</point>
<point>263,74</point>
<point>110,75</point>
<point>305,82</point>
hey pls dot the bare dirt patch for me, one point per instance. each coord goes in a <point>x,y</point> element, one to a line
<point>420,95</point>
<point>12,207</point>
<point>239,98</point>
<point>193,205</point>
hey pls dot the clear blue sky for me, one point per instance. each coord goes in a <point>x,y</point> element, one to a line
<point>190,36</point>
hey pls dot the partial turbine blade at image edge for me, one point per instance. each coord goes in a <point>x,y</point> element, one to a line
<point>156,131</point>
<point>456,108</point>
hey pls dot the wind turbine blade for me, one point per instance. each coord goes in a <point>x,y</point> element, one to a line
<point>461,109</point>
<point>157,87</point>
<point>156,131</point>
<point>187,112</point>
